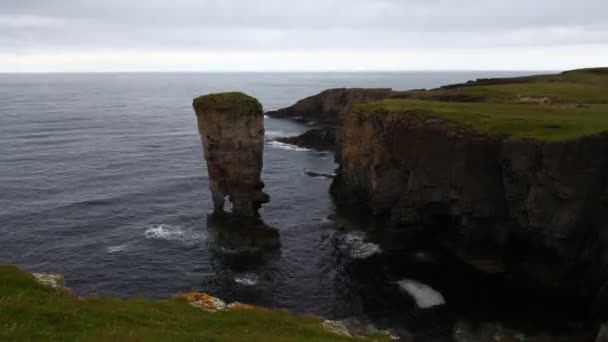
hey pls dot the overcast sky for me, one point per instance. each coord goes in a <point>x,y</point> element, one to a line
<point>282,35</point>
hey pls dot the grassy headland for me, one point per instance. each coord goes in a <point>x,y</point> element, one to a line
<point>544,107</point>
<point>31,311</point>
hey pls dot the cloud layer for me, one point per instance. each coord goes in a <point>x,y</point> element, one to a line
<point>48,34</point>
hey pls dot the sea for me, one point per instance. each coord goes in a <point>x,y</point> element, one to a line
<point>102,179</point>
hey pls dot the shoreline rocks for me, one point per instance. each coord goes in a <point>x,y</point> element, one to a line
<point>320,139</point>
<point>324,110</point>
<point>242,234</point>
<point>52,280</point>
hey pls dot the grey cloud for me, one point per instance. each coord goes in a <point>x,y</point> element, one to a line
<point>42,25</point>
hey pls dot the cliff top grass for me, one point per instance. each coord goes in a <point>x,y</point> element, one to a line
<point>30,311</point>
<point>544,107</point>
<point>225,100</point>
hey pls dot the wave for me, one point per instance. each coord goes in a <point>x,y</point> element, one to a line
<point>116,249</point>
<point>247,279</point>
<point>284,146</point>
<point>424,295</point>
<point>275,134</point>
<point>355,244</point>
<point>177,233</point>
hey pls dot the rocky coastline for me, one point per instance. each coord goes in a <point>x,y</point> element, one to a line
<point>531,208</point>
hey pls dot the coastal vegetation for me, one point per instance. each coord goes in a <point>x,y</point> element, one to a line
<point>545,107</point>
<point>32,311</point>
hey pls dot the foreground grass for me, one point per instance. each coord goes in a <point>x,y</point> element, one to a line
<point>30,311</point>
<point>576,105</point>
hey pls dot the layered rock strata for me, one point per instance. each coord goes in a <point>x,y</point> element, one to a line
<point>538,207</point>
<point>231,126</point>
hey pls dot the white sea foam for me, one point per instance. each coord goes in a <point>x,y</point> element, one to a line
<point>275,134</point>
<point>356,245</point>
<point>265,116</point>
<point>247,279</point>
<point>116,249</point>
<point>169,232</point>
<point>424,295</point>
<point>284,146</point>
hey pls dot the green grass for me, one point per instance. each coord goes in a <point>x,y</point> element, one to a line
<point>578,105</point>
<point>558,92</point>
<point>516,121</point>
<point>30,311</point>
<point>229,98</point>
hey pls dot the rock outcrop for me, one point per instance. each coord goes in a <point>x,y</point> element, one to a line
<point>52,280</point>
<point>325,107</point>
<point>231,126</point>
<point>324,110</point>
<point>321,139</point>
<point>539,207</point>
<point>242,234</point>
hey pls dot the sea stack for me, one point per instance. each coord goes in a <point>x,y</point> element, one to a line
<point>231,126</point>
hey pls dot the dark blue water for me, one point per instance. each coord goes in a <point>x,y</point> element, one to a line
<point>102,180</point>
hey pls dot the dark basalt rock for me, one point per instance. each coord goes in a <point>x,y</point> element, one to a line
<point>320,139</point>
<point>315,174</point>
<point>325,107</point>
<point>242,234</point>
<point>537,207</point>
<point>231,126</point>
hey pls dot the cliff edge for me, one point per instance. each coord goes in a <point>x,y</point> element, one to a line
<point>519,175</point>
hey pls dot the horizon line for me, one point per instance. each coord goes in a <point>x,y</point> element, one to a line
<point>280,71</point>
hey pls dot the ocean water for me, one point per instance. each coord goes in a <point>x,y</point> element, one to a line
<point>102,180</point>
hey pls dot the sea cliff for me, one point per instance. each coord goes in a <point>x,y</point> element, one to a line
<point>538,207</point>
<point>511,170</point>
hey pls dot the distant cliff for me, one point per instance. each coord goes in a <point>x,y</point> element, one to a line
<point>324,108</point>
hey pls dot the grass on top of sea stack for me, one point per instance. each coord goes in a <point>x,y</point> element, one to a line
<point>31,311</point>
<point>545,107</point>
<point>225,100</point>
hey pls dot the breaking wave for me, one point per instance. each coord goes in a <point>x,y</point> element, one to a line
<point>355,244</point>
<point>169,232</point>
<point>247,279</point>
<point>424,295</point>
<point>284,146</point>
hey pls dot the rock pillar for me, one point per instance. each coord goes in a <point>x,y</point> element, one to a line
<point>231,126</point>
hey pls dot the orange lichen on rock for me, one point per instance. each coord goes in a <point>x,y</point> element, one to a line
<point>203,301</point>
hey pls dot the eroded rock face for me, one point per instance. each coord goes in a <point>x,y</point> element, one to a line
<point>540,207</point>
<point>325,107</point>
<point>321,139</point>
<point>231,126</point>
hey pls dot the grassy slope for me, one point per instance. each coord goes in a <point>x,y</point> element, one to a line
<point>579,105</point>
<point>30,311</point>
